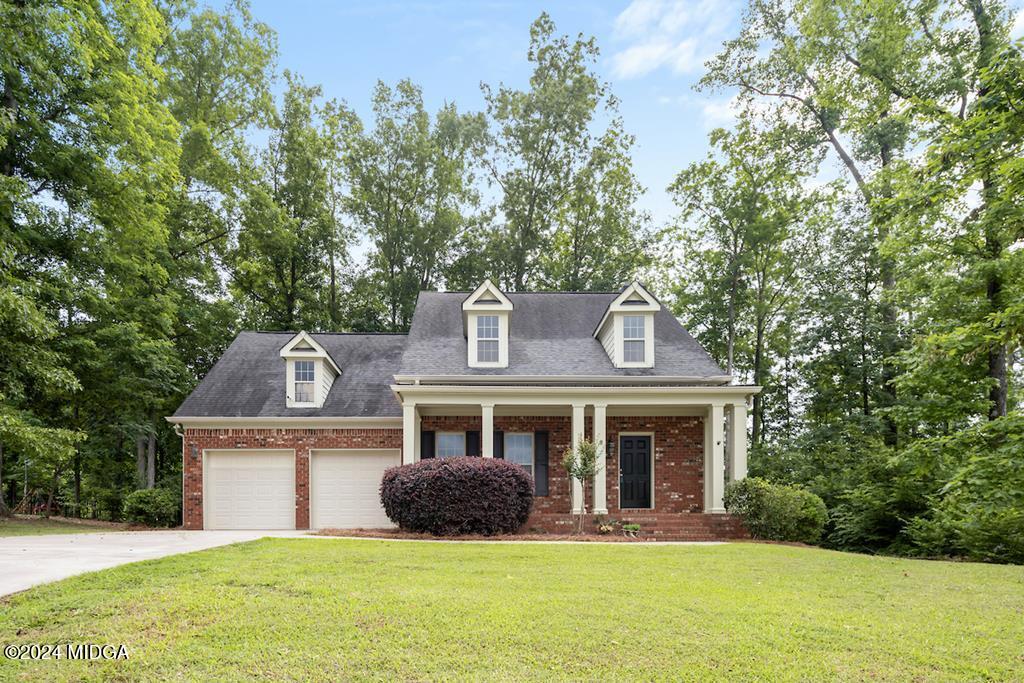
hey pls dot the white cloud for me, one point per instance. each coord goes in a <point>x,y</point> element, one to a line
<point>1017,31</point>
<point>678,35</point>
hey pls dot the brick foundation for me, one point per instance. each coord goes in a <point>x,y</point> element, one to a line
<point>654,526</point>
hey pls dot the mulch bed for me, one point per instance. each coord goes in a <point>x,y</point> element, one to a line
<point>391,534</point>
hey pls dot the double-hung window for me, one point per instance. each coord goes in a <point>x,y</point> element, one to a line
<point>304,377</point>
<point>519,449</point>
<point>633,330</point>
<point>450,444</point>
<point>487,339</point>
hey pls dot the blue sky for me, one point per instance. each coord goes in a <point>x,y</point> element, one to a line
<point>651,53</point>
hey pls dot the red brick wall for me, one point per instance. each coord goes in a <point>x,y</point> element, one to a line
<point>678,457</point>
<point>299,440</point>
<point>678,461</point>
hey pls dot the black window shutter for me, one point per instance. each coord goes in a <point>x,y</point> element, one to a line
<point>473,444</point>
<point>499,445</point>
<point>426,445</point>
<point>540,463</point>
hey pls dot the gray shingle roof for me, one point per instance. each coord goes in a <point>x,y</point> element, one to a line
<point>249,379</point>
<point>550,334</point>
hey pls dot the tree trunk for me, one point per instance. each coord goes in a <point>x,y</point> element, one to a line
<point>53,490</point>
<point>4,511</point>
<point>140,460</point>
<point>997,395</point>
<point>151,462</point>
<point>757,411</point>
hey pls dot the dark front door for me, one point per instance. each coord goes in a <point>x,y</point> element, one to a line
<point>635,472</point>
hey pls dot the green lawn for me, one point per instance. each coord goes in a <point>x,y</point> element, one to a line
<point>330,609</point>
<point>41,525</point>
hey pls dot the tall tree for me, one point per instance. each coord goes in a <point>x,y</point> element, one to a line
<point>279,264</point>
<point>411,191</point>
<point>746,230</point>
<point>557,187</point>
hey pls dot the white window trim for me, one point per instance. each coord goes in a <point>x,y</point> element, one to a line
<point>291,393</point>
<point>620,328</point>
<point>437,444</point>
<point>473,341</point>
<point>533,453</point>
<point>311,382</point>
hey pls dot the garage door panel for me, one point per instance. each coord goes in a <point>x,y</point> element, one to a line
<point>250,490</point>
<point>345,488</point>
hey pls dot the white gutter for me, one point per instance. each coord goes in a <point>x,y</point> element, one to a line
<point>313,420</point>
<point>549,380</point>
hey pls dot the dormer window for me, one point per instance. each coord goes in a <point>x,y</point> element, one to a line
<point>633,338</point>
<point>486,313</point>
<point>304,378</point>
<point>309,372</point>
<point>627,329</point>
<point>487,338</point>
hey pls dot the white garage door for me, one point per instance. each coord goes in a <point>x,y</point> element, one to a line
<point>345,488</point>
<point>250,490</point>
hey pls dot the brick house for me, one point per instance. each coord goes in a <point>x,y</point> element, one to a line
<point>294,430</point>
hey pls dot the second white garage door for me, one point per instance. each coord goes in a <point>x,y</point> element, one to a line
<point>345,488</point>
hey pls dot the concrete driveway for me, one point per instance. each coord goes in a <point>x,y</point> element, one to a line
<point>27,561</point>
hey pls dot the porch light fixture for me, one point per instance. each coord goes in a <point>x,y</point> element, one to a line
<point>194,451</point>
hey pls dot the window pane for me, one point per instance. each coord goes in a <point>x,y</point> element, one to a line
<point>303,392</point>
<point>633,327</point>
<point>450,445</point>
<point>519,449</point>
<point>303,371</point>
<point>633,351</point>
<point>487,351</point>
<point>487,327</point>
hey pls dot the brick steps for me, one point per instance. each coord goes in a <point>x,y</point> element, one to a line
<point>686,526</point>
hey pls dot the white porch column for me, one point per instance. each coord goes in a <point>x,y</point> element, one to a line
<point>714,457</point>
<point>738,441</point>
<point>578,427</point>
<point>601,478</point>
<point>487,430</point>
<point>410,432</point>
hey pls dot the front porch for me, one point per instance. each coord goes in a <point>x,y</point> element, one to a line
<point>664,453</point>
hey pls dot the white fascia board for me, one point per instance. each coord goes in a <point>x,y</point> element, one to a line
<point>506,395</point>
<point>287,352</point>
<point>470,302</point>
<point>554,381</point>
<point>652,305</point>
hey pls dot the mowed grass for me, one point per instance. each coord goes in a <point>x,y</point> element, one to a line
<point>20,526</point>
<point>333,609</point>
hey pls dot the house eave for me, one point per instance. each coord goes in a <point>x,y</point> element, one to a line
<point>257,422</point>
<point>565,380</point>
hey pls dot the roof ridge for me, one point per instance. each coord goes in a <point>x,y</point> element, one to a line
<point>459,291</point>
<point>362,334</point>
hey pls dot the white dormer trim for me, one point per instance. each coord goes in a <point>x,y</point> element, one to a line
<point>488,297</point>
<point>302,347</point>
<point>634,299</point>
<point>486,300</point>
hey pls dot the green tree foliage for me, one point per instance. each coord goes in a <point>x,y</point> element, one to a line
<point>748,229</point>
<point>280,262</point>
<point>411,192</point>
<point>566,217</point>
<point>907,318</point>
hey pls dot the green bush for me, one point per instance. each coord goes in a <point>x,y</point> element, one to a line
<point>775,512</point>
<point>152,507</point>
